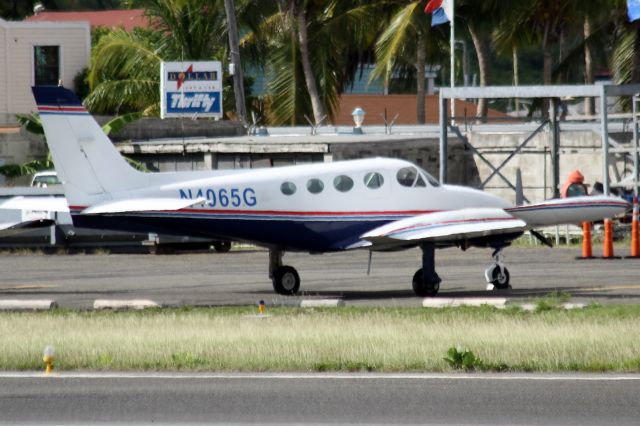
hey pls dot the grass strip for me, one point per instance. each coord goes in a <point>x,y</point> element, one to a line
<point>598,338</point>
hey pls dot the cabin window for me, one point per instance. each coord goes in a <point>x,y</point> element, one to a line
<point>315,186</point>
<point>46,65</point>
<point>288,188</point>
<point>343,183</point>
<point>407,176</point>
<point>373,180</point>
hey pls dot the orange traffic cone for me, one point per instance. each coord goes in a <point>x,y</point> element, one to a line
<point>635,231</point>
<point>587,248</point>
<point>607,248</point>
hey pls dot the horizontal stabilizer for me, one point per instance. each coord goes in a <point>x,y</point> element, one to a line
<point>448,226</point>
<point>573,210</point>
<point>142,205</point>
<point>50,204</point>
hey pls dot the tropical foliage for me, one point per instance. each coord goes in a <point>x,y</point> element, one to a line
<point>312,50</point>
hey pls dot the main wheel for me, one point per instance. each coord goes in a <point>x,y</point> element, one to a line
<point>424,288</point>
<point>500,278</point>
<point>286,280</point>
<point>222,246</point>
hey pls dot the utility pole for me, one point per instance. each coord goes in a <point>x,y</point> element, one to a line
<point>234,47</point>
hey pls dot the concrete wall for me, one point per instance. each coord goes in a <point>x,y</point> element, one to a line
<point>17,40</point>
<point>155,128</point>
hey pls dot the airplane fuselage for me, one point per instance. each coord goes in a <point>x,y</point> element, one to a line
<point>314,207</point>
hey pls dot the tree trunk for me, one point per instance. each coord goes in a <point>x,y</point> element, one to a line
<point>309,76</point>
<point>421,58</point>
<point>589,103</point>
<point>482,53</point>
<point>547,69</point>
<point>234,47</point>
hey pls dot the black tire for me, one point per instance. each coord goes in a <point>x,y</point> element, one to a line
<point>500,280</point>
<point>424,288</point>
<point>222,246</point>
<point>286,280</point>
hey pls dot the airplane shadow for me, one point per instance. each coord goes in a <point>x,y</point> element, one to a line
<point>364,295</point>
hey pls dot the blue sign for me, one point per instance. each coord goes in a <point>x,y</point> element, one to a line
<point>193,102</point>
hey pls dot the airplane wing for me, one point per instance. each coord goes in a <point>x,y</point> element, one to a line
<point>448,226</point>
<point>467,224</point>
<point>142,205</point>
<point>35,223</point>
<point>50,204</point>
<point>573,210</point>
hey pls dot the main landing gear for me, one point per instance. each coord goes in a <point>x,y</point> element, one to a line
<point>426,281</point>
<point>498,274</point>
<point>285,279</point>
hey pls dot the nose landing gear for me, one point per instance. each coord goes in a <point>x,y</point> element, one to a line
<point>498,274</point>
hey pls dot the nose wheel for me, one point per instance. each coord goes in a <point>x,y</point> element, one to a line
<point>498,274</point>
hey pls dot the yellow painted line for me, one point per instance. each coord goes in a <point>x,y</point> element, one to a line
<point>613,287</point>
<point>29,286</point>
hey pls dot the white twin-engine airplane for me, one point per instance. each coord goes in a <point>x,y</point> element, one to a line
<point>374,204</point>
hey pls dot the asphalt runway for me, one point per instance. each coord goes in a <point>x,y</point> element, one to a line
<point>240,277</point>
<point>321,399</point>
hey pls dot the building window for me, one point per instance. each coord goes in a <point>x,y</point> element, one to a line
<point>46,65</point>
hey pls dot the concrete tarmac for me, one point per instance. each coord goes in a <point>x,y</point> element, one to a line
<point>476,399</point>
<point>240,277</point>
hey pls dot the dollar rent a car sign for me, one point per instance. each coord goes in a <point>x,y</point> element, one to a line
<point>192,89</point>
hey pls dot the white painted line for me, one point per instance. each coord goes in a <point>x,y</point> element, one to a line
<point>124,304</point>
<point>328,376</point>
<point>321,303</point>
<point>443,302</point>
<point>574,305</point>
<point>27,305</point>
<point>528,307</point>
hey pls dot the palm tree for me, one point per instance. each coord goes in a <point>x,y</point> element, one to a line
<point>396,48</point>
<point>125,68</point>
<point>312,48</point>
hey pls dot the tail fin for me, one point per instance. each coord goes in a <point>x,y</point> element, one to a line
<point>87,163</point>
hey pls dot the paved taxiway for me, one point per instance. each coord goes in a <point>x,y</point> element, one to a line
<point>240,277</point>
<point>322,398</point>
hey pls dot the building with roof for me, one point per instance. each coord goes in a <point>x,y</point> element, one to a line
<point>126,19</point>
<point>37,53</point>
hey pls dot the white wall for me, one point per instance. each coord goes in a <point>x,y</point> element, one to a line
<point>17,40</point>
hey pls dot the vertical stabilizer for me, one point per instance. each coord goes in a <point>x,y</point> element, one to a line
<point>87,163</point>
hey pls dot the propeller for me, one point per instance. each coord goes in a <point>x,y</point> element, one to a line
<point>544,240</point>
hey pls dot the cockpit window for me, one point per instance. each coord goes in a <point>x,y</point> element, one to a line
<point>315,186</point>
<point>407,176</point>
<point>343,183</point>
<point>420,182</point>
<point>432,181</point>
<point>373,180</point>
